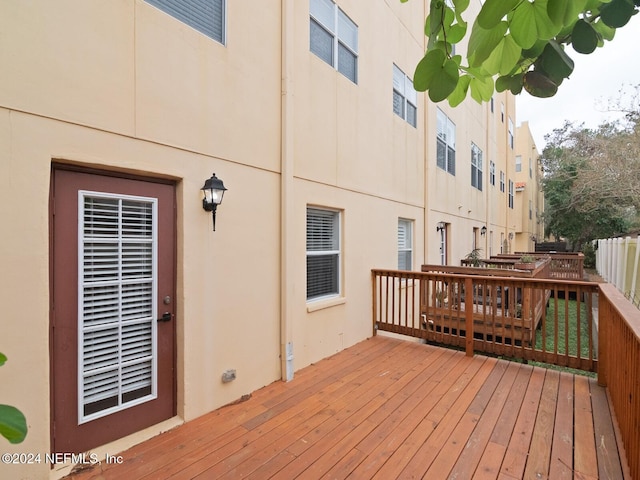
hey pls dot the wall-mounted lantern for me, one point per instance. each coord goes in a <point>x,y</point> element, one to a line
<point>213,190</point>
<point>483,231</point>
<point>440,226</point>
<point>510,235</point>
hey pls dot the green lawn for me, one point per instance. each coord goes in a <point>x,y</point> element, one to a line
<point>567,331</point>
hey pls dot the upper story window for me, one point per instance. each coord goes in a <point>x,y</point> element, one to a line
<point>334,37</point>
<point>518,163</point>
<point>492,173</point>
<point>446,140</point>
<point>511,133</point>
<point>476,166</point>
<point>405,244</point>
<point>502,181</point>
<point>405,98</point>
<point>323,253</point>
<point>206,16</point>
<point>510,193</point>
<point>530,168</point>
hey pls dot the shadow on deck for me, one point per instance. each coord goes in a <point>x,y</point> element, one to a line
<point>388,408</point>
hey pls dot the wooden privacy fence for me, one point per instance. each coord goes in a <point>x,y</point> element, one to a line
<point>519,317</point>
<point>619,367</point>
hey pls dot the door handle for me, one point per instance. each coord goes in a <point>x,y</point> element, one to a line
<point>166,317</point>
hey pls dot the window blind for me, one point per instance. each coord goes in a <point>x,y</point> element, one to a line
<point>117,278</point>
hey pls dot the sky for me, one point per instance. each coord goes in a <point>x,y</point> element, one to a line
<point>584,96</point>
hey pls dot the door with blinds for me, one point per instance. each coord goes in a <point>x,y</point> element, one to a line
<point>113,307</point>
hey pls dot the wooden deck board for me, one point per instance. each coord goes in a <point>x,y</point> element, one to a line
<point>388,408</point>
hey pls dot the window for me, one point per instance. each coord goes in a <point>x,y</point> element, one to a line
<point>502,112</point>
<point>117,253</point>
<point>518,163</point>
<point>334,37</point>
<point>405,97</point>
<point>530,210</point>
<point>206,16</point>
<point>405,244</point>
<point>530,168</point>
<point>491,104</point>
<point>323,253</point>
<point>446,143</point>
<point>492,173</point>
<point>501,181</point>
<point>476,166</point>
<point>510,133</point>
<point>510,193</point>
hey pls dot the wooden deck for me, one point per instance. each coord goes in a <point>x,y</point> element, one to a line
<point>388,409</point>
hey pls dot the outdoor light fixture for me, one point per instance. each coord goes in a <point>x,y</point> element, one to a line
<point>483,231</point>
<point>440,226</point>
<point>510,235</point>
<point>213,192</point>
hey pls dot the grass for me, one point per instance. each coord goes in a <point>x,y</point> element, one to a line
<point>567,313</point>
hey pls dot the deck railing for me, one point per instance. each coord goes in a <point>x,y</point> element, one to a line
<point>542,320</point>
<point>564,266</point>
<point>619,366</point>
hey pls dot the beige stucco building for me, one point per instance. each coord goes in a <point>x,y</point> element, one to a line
<point>125,314</point>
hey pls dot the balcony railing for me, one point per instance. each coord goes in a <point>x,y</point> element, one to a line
<point>534,319</point>
<point>484,311</point>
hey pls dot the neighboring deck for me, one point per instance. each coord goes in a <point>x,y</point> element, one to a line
<point>387,409</point>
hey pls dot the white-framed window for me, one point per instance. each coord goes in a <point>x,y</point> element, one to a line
<point>530,168</point>
<point>446,143</point>
<point>405,97</point>
<point>510,133</point>
<point>530,210</point>
<point>206,16</point>
<point>405,244</point>
<point>510,193</point>
<point>334,37</point>
<point>476,166</point>
<point>502,112</point>
<point>323,253</point>
<point>518,163</point>
<point>492,172</point>
<point>117,293</point>
<point>502,181</point>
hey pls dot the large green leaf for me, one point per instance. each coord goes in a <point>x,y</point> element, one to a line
<point>504,58</point>
<point>617,13</point>
<point>510,82</point>
<point>530,22</point>
<point>13,425</point>
<point>461,5</point>
<point>584,38</point>
<point>2,359</point>
<point>481,88</point>
<point>539,85</point>
<point>493,11</point>
<point>482,42</point>
<point>444,81</point>
<point>431,63</point>
<point>460,93</point>
<point>562,12</point>
<point>555,62</point>
<point>434,20</point>
<point>456,32</point>
<point>604,30</point>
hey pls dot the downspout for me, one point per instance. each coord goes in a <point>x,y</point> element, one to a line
<point>286,191</point>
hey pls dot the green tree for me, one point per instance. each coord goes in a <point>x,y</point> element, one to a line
<point>512,44</point>
<point>13,425</point>
<point>591,181</point>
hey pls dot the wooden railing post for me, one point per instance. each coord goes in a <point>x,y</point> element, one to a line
<point>374,302</point>
<point>468,300</point>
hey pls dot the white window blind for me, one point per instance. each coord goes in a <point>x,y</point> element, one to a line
<point>117,253</point>
<point>405,244</point>
<point>446,142</point>
<point>206,16</point>
<point>333,37</point>
<point>323,253</point>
